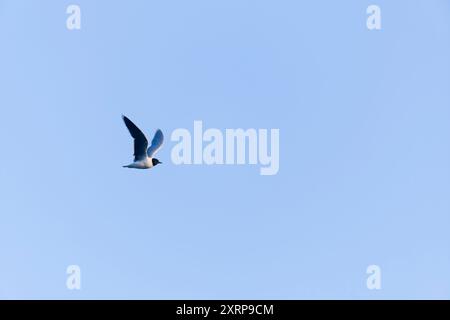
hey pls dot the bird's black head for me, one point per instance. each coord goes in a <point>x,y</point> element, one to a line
<point>155,162</point>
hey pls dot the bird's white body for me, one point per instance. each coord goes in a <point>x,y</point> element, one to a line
<point>141,164</point>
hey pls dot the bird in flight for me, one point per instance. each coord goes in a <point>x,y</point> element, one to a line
<point>143,157</point>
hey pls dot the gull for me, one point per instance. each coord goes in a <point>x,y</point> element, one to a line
<point>143,157</point>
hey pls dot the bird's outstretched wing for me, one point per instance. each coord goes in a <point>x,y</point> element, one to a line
<point>157,142</point>
<point>140,141</point>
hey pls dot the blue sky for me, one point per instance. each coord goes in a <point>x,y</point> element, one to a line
<point>364,149</point>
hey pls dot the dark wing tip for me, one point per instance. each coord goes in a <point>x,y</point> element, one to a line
<point>130,125</point>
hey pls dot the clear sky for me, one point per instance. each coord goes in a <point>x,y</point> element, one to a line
<point>364,173</point>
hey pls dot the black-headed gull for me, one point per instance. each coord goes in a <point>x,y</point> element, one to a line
<point>143,157</point>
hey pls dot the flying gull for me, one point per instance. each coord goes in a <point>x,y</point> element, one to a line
<point>143,157</point>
